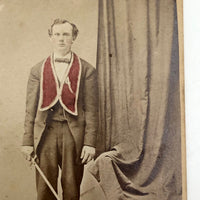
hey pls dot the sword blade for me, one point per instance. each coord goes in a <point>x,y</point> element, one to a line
<point>45,179</point>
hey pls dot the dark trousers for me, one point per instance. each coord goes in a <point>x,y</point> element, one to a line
<point>57,148</point>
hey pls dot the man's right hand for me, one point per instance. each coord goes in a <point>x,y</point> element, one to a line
<point>27,151</point>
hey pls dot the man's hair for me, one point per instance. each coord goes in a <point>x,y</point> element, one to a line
<point>63,21</point>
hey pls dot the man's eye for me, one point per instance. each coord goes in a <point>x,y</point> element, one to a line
<point>57,34</point>
<point>66,34</point>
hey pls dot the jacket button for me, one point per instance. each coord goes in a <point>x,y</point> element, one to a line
<point>51,109</point>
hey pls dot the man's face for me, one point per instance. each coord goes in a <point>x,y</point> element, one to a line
<point>62,38</point>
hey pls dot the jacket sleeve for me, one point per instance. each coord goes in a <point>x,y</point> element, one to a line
<point>91,107</point>
<point>32,98</point>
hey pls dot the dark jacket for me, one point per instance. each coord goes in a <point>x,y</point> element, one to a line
<point>83,127</point>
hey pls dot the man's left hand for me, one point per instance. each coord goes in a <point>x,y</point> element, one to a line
<point>87,154</point>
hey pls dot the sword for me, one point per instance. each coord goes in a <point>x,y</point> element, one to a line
<point>44,177</point>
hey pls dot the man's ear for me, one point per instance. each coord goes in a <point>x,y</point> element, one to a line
<point>50,38</point>
<point>74,38</point>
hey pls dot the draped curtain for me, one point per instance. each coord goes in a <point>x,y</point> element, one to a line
<point>139,141</point>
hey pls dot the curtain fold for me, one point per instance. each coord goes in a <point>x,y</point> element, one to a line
<point>139,109</point>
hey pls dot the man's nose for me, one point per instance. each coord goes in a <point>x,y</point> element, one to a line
<point>61,38</point>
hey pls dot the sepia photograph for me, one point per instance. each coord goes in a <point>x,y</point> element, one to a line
<point>92,100</point>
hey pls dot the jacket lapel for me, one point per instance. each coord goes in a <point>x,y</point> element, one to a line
<point>67,93</point>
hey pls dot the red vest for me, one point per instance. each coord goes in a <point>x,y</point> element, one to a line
<point>67,92</point>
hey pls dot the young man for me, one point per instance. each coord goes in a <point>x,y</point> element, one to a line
<point>61,114</point>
